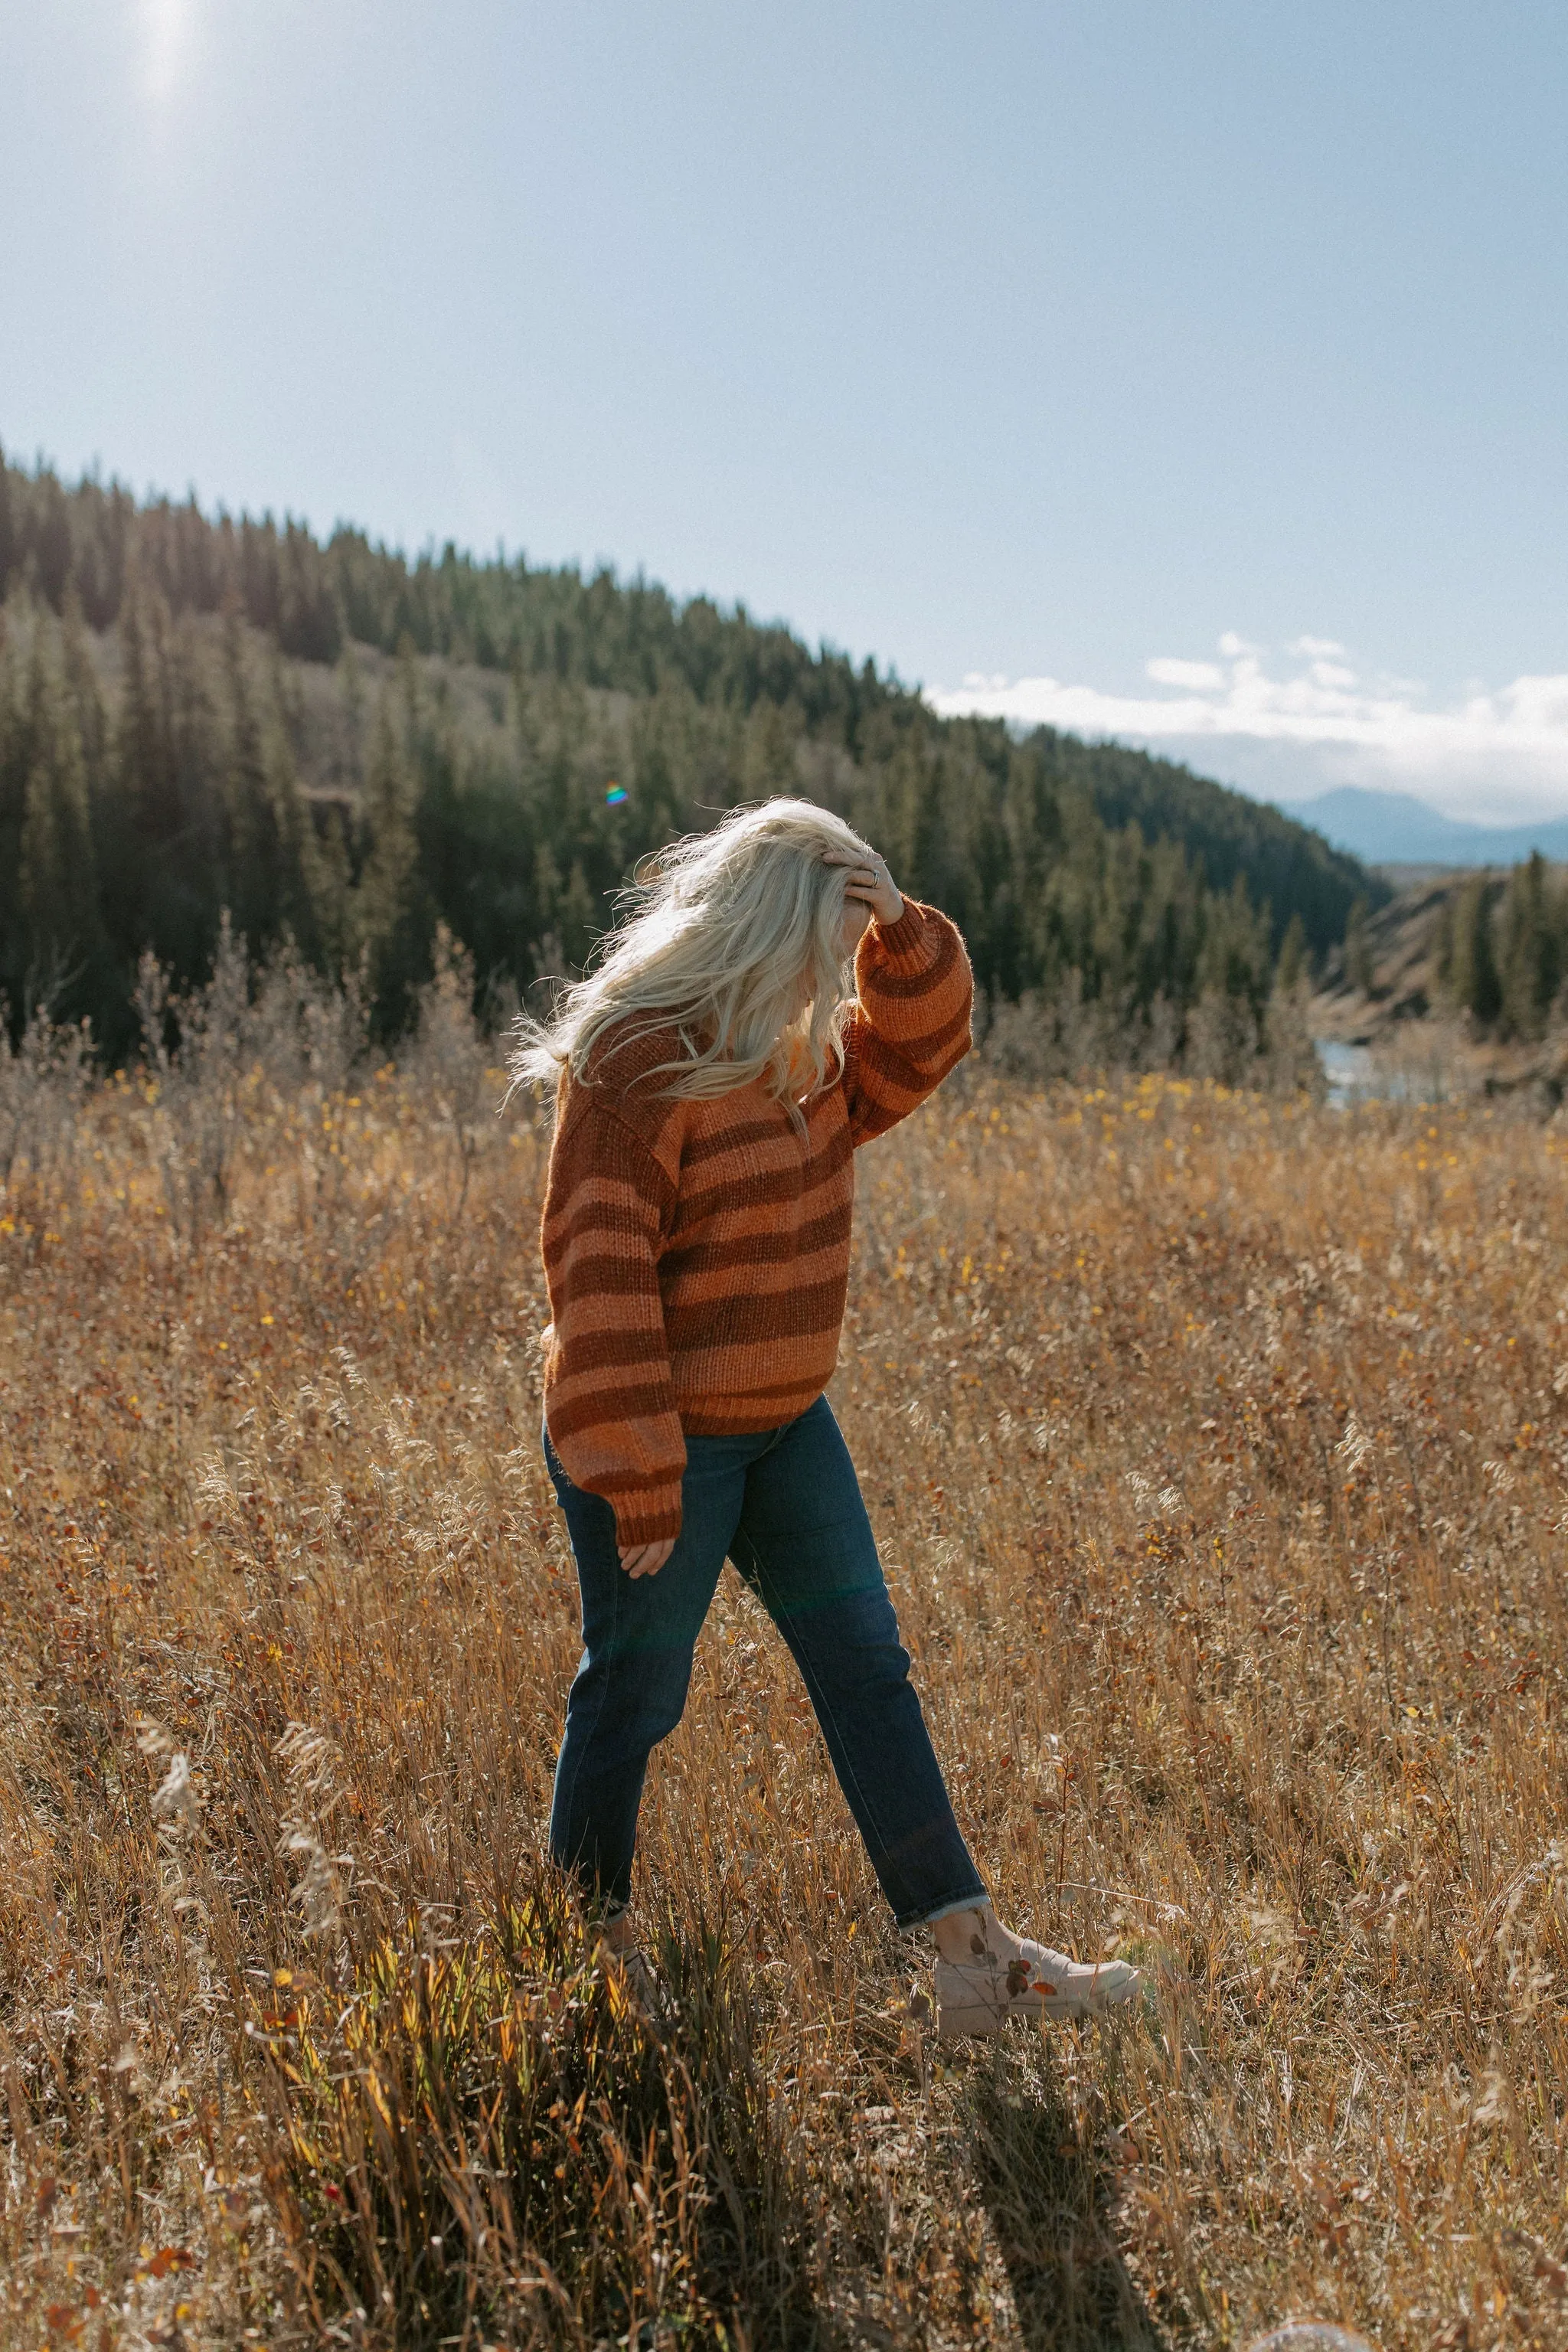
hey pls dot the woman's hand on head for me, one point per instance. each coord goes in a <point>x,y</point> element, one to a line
<point>868,885</point>
<point>645,1560</point>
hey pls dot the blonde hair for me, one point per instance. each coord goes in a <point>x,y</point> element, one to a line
<point>726,929</point>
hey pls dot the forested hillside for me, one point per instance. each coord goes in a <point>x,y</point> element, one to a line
<point>347,748</point>
<point>1502,949</point>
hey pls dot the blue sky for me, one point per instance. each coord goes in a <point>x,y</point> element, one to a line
<point>1197,373</point>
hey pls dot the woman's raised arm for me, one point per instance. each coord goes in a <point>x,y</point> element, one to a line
<point>910,1027</point>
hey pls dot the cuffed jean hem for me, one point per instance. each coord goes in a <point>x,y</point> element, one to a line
<point>905,1927</point>
<point>599,1906</point>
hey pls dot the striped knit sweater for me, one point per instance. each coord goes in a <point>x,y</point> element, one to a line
<point>697,1253</point>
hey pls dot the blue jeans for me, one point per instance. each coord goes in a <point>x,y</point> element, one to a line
<point>786,1506</point>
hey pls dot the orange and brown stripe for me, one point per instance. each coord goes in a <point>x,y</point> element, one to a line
<point>697,1253</point>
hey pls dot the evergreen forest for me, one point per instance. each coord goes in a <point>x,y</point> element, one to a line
<point>1502,949</point>
<point>346,754</point>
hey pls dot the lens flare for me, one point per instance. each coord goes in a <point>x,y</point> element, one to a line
<point>167,27</point>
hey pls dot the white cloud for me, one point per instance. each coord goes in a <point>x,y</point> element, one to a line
<point>1194,675</point>
<point>1309,646</point>
<point>1494,752</point>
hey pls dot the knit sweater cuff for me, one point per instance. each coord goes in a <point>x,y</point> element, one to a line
<point>647,1514</point>
<point>908,943</point>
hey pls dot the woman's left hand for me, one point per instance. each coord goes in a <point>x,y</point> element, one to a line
<point>869,885</point>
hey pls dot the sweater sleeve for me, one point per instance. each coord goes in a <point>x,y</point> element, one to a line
<point>609,1404</point>
<point>910,1027</point>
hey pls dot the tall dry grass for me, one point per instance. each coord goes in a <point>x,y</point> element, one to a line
<point>1217,1449</point>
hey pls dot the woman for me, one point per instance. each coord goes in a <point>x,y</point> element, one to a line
<point>714,1079</point>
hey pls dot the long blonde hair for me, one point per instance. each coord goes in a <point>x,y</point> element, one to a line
<point>726,929</point>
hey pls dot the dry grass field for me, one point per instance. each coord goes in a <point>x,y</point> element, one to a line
<point>1216,1448</point>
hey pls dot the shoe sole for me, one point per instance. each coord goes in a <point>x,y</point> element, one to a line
<point>978,2020</point>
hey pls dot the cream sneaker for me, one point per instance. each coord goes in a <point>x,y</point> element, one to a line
<point>639,1984</point>
<point>980,1996</point>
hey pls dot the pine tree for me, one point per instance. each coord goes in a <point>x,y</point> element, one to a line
<point>58,885</point>
<point>1472,973</point>
<point>383,910</point>
<point>253,867</point>
<point>15,750</point>
<point>170,795</point>
<point>302,875</point>
<point>335,893</point>
<point>145,763</point>
<point>582,916</point>
<point>767,753</point>
<point>1292,965</point>
<point>8,536</point>
<point>1531,924</point>
<point>86,699</point>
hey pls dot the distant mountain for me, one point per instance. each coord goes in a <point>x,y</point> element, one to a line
<point>1396,829</point>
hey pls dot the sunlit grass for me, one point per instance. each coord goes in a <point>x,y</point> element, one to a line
<point>1216,1451</point>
